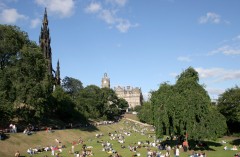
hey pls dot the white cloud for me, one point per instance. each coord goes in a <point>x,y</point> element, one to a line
<point>108,16</point>
<point>215,91</point>
<point>118,2</point>
<point>35,23</point>
<point>229,47</point>
<point>62,7</point>
<point>226,50</point>
<point>206,73</point>
<point>11,16</point>
<point>210,18</point>
<point>184,59</point>
<point>124,25</point>
<point>230,51</point>
<point>219,74</point>
<point>94,7</point>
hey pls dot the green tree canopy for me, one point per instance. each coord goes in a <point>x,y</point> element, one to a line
<point>145,113</point>
<point>89,102</point>
<point>122,104</point>
<point>229,106</point>
<point>32,85</point>
<point>72,86</point>
<point>24,85</point>
<point>12,39</point>
<point>94,102</point>
<point>111,104</point>
<point>64,107</point>
<point>185,108</point>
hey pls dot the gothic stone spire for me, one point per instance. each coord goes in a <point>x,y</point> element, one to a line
<point>57,77</point>
<point>45,43</point>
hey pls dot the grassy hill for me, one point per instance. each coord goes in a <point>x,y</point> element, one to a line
<point>22,142</point>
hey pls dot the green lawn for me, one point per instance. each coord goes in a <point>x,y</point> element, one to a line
<point>23,142</point>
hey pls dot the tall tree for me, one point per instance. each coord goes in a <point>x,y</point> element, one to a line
<point>145,113</point>
<point>24,85</point>
<point>122,104</point>
<point>12,40</point>
<point>94,102</point>
<point>111,105</point>
<point>64,107</point>
<point>89,102</point>
<point>185,108</point>
<point>32,84</point>
<point>229,106</point>
<point>72,86</point>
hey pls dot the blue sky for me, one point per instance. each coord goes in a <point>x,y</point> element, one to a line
<point>141,43</point>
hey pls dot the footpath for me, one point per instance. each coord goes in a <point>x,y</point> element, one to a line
<point>144,124</point>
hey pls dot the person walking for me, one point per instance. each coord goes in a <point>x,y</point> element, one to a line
<point>177,152</point>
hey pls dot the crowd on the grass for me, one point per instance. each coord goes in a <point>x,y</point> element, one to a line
<point>58,148</point>
<point>154,147</point>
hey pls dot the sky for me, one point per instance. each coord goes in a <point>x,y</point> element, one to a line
<point>139,43</point>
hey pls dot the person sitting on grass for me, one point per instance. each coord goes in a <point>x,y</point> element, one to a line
<point>49,129</point>
<point>30,151</point>
<point>17,154</point>
<point>226,148</point>
<point>47,148</point>
<point>57,140</point>
<point>26,131</point>
<point>2,135</point>
<point>234,147</point>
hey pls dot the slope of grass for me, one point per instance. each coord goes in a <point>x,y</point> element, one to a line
<point>131,116</point>
<point>22,142</point>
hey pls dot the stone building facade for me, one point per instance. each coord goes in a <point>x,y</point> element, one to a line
<point>132,95</point>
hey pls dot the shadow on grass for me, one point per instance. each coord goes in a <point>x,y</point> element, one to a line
<point>235,142</point>
<point>89,128</point>
<point>204,145</point>
<point>196,145</point>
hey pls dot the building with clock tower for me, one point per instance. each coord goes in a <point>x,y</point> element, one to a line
<point>132,95</point>
<point>105,81</point>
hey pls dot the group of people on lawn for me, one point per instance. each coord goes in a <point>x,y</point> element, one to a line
<point>120,135</point>
<point>151,147</point>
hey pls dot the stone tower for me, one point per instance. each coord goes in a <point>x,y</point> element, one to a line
<point>57,74</point>
<point>105,81</point>
<point>45,45</point>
